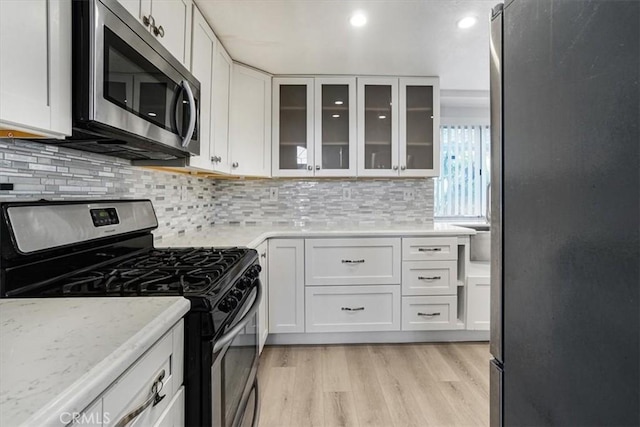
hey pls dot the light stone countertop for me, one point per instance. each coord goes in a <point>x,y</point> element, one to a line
<point>252,235</point>
<point>58,354</point>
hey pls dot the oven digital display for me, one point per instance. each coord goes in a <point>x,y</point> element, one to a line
<point>105,216</point>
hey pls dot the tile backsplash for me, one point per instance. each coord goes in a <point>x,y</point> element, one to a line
<point>38,171</point>
<point>184,203</point>
<point>324,200</point>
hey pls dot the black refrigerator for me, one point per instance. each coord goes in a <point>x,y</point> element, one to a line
<point>565,213</point>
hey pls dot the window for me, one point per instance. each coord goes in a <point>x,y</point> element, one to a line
<point>461,188</point>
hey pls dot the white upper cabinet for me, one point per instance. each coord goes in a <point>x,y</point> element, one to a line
<point>398,127</point>
<point>378,127</point>
<point>35,68</point>
<point>222,65</point>
<point>419,127</point>
<point>335,126</point>
<point>293,153</point>
<point>250,122</point>
<point>204,42</point>
<point>169,21</point>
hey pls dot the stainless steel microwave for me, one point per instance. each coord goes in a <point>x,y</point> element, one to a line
<point>131,97</point>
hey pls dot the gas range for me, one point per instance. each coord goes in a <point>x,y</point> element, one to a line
<point>105,249</point>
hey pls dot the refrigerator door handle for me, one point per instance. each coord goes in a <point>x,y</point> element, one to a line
<point>495,208</point>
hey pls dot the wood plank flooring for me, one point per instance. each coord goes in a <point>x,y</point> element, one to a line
<point>382,385</point>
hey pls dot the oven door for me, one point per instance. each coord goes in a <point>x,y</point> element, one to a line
<point>138,87</point>
<point>234,371</point>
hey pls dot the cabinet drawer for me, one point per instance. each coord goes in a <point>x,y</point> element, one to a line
<point>429,313</point>
<point>429,248</point>
<point>366,261</point>
<point>429,277</point>
<point>133,388</point>
<point>352,308</point>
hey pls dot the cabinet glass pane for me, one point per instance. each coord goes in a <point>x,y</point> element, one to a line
<point>419,127</point>
<point>335,126</point>
<point>377,127</point>
<point>293,127</point>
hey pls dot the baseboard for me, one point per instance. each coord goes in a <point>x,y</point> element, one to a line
<point>376,337</point>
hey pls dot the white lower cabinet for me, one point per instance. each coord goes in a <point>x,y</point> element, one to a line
<point>429,277</point>
<point>286,285</point>
<point>478,303</point>
<point>352,308</point>
<point>153,382</point>
<point>428,313</point>
<point>356,261</point>
<point>429,248</point>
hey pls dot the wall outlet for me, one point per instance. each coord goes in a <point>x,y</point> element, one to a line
<point>346,194</point>
<point>273,193</point>
<point>409,195</point>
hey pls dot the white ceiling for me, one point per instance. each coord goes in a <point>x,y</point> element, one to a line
<point>402,37</point>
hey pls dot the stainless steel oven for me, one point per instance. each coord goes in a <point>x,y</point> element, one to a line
<point>132,98</point>
<point>234,370</point>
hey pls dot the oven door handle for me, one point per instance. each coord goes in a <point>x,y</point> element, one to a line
<point>226,338</point>
<point>186,140</point>
<point>256,409</point>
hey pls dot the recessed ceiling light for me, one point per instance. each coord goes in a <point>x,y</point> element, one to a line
<point>151,114</point>
<point>358,19</point>
<point>382,116</point>
<point>335,116</point>
<point>467,22</point>
<point>339,102</point>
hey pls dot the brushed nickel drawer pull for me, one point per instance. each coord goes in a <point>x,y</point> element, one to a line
<point>350,261</point>
<point>429,278</point>
<point>429,314</point>
<point>352,309</point>
<point>429,249</point>
<point>154,399</point>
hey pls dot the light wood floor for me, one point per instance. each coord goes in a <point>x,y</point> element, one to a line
<point>390,385</point>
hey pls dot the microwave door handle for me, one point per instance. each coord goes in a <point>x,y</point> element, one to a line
<point>192,113</point>
<point>226,338</point>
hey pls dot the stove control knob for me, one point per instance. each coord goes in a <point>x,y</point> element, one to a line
<point>244,283</point>
<point>228,304</point>
<point>236,294</point>
<point>254,271</point>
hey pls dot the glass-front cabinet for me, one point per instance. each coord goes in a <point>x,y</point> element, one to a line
<point>419,148</point>
<point>314,132</point>
<point>398,127</point>
<point>293,127</point>
<point>378,127</point>
<point>364,126</point>
<point>335,126</point>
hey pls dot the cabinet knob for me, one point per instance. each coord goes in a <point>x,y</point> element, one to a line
<point>263,255</point>
<point>149,20</point>
<point>309,167</point>
<point>317,167</point>
<point>234,164</point>
<point>403,167</point>
<point>395,167</point>
<point>158,31</point>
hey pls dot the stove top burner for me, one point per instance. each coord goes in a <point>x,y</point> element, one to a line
<point>192,271</point>
<point>220,259</point>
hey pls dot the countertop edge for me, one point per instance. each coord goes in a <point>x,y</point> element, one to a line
<point>262,236</point>
<point>79,395</point>
<point>354,233</point>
